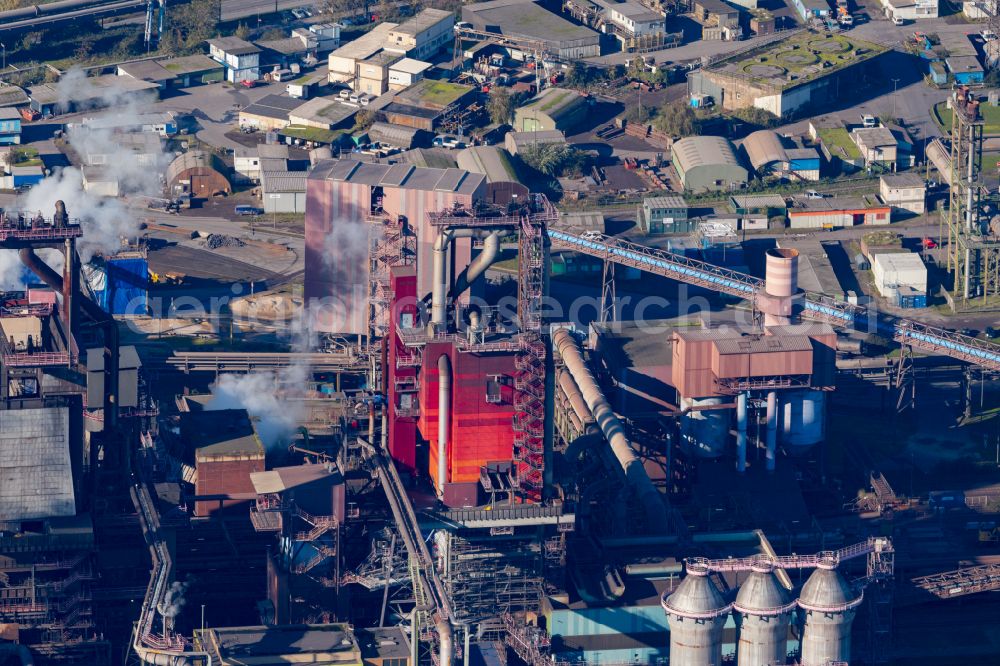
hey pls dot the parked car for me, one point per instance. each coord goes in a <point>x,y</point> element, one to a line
<point>988,35</point>
<point>365,100</point>
<point>247,211</point>
<point>971,332</point>
<point>345,93</point>
<point>452,142</point>
<point>354,97</point>
<point>813,194</point>
<point>898,20</point>
<point>992,332</point>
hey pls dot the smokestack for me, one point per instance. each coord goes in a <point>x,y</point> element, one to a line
<point>780,301</point>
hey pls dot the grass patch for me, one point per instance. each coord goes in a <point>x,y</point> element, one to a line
<point>991,118</point>
<point>838,141</point>
<point>314,134</point>
<point>440,93</point>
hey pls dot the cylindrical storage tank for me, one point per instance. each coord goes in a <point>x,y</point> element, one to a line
<point>803,419</point>
<point>828,605</point>
<point>765,611</point>
<point>696,613</point>
<point>704,431</point>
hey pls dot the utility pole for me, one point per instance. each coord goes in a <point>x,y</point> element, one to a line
<point>895,82</point>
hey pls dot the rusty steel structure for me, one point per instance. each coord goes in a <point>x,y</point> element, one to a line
<point>960,582</point>
<point>973,252</point>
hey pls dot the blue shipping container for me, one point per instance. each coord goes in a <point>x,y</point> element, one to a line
<point>127,286</point>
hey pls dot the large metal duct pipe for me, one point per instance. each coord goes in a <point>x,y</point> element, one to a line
<point>780,301</point>
<point>439,288</point>
<point>444,419</point>
<point>46,274</point>
<point>489,256</point>
<point>446,639</point>
<point>741,433</point>
<point>772,429</point>
<point>614,432</point>
<point>575,398</point>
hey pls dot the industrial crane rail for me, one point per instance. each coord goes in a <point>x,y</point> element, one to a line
<point>830,558</point>
<point>734,283</point>
<point>960,582</point>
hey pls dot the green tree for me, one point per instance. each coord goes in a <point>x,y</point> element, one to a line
<point>242,31</point>
<point>364,119</point>
<point>85,48</point>
<point>580,74</point>
<point>640,113</point>
<point>555,159</point>
<point>617,72</point>
<point>195,22</point>
<point>677,120</point>
<point>500,105</point>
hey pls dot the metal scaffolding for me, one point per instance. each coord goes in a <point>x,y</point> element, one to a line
<point>492,570</point>
<point>973,255</point>
<point>396,246</point>
<point>961,582</point>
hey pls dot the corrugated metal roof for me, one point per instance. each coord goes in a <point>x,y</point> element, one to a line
<point>428,18</point>
<point>282,181</point>
<point>36,480</point>
<point>440,180</point>
<point>702,151</point>
<point>491,161</point>
<point>764,147</point>
<point>670,201</point>
<point>283,478</point>
<point>396,135</point>
<point>367,44</point>
<point>746,344</point>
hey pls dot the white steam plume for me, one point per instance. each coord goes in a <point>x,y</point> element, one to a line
<point>173,601</point>
<point>105,221</point>
<point>259,393</point>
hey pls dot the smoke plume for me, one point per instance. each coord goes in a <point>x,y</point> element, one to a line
<point>104,220</point>
<point>275,419</point>
<point>173,600</point>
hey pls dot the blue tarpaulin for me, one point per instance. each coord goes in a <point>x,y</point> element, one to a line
<point>127,286</point>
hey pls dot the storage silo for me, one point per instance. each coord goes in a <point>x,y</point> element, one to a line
<point>704,432</point>
<point>696,613</point>
<point>765,612</point>
<point>804,419</point>
<point>828,603</point>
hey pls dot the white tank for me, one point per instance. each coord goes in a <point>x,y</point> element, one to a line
<point>704,432</point>
<point>803,422</point>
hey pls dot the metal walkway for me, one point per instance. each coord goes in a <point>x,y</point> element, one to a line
<point>960,582</point>
<point>932,339</point>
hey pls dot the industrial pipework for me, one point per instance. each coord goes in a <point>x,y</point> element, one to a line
<point>439,289</point>
<point>444,420</point>
<point>614,432</point>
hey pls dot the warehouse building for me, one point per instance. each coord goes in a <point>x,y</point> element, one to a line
<point>193,70</point>
<point>515,142</point>
<point>422,105</point>
<point>373,73</point>
<point>199,174</point>
<point>772,155</point>
<point>836,213</point>
<point>526,19</point>
<point>269,113</point>
<point>343,63</point>
<point>899,276</point>
<point>878,147</point>
<point>424,35</point>
<point>706,163</point>
<point>401,137</point>
<point>491,161</point>
<point>905,191</point>
<point>552,109</point>
<point>247,162</point>
<point>283,191</point>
